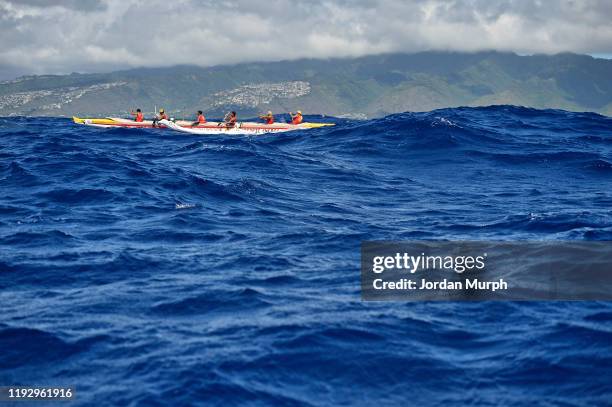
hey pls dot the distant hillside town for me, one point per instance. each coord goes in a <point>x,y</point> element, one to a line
<point>363,87</point>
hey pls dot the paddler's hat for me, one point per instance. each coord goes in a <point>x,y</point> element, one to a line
<point>269,111</point>
<point>299,112</point>
<point>161,110</point>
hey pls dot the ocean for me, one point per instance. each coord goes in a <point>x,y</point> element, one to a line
<point>152,268</point>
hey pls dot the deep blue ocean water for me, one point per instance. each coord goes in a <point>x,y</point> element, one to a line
<point>147,267</point>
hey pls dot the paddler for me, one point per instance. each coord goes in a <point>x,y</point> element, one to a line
<point>161,116</point>
<point>199,120</point>
<point>139,116</point>
<point>230,119</point>
<point>296,118</point>
<point>268,118</point>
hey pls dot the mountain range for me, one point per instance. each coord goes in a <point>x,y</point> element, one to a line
<point>362,87</point>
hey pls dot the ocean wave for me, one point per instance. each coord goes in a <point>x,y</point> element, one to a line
<point>156,268</point>
<point>35,347</point>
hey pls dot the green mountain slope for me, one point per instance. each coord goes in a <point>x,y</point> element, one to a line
<point>359,87</point>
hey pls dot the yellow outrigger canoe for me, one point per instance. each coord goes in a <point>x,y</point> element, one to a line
<point>206,128</point>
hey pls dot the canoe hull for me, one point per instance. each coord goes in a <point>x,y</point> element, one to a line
<point>241,128</point>
<point>206,128</point>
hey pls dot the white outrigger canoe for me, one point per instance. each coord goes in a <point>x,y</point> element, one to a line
<point>240,127</point>
<point>184,126</point>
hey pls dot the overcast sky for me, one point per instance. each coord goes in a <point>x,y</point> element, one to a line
<point>54,36</point>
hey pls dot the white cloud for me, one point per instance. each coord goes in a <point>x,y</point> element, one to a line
<point>55,36</point>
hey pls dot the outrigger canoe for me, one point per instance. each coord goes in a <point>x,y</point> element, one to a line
<point>206,128</point>
<point>241,127</point>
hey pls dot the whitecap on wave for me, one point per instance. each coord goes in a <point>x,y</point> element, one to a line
<point>184,205</point>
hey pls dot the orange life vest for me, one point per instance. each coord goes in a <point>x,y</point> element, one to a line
<point>201,119</point>
<point>297,119</point>
<point>269,119</point>
<point>139,117</point>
